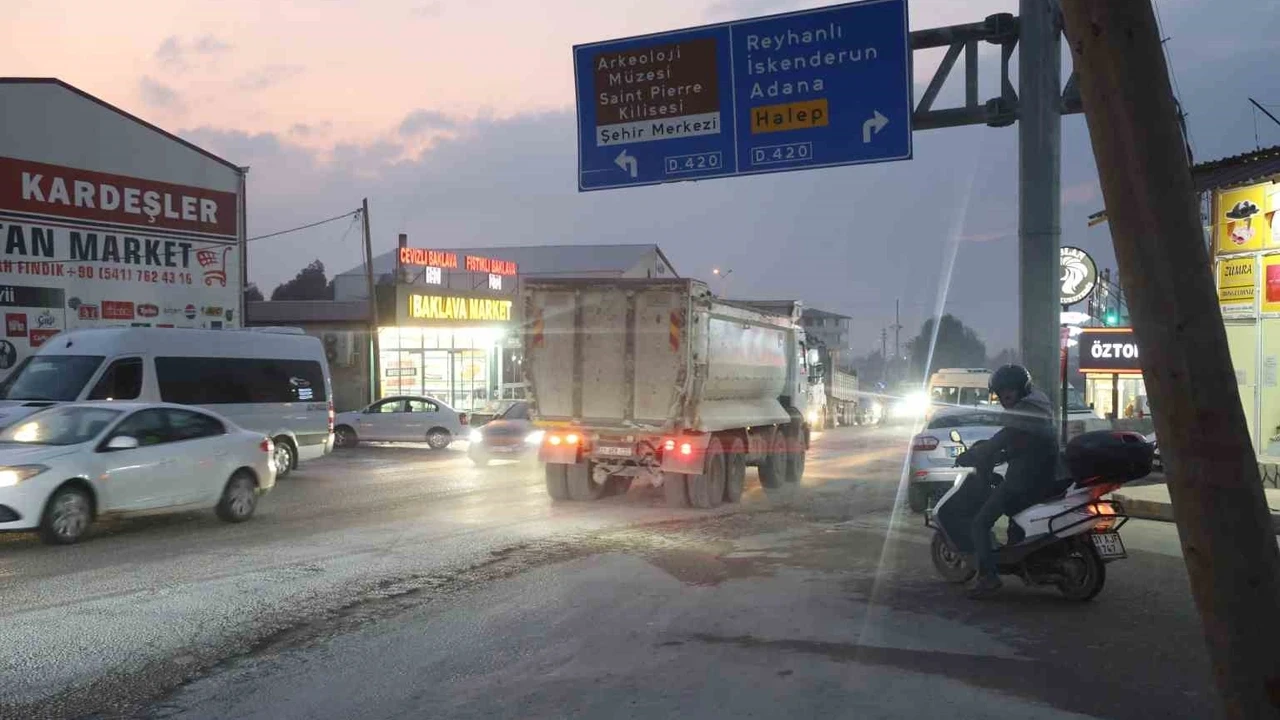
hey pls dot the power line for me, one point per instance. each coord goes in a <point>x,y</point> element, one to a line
<point>1177,89</point>
<point>353,213</point>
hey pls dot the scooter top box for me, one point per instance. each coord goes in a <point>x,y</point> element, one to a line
<point>1109,456</point>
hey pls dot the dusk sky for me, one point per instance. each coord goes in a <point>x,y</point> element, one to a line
<point>456,120</point>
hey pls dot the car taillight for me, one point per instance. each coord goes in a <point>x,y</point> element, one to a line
<point>669,445</point>
<point>554,440</point>
<point>571,439</point>
<point>686,449</point>
<point>331,416</point>
<point>266,445</point>
<point>924,442</point>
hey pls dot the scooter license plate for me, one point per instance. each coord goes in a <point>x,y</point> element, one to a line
<point>1109,545</point>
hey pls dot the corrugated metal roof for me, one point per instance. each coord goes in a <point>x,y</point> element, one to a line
<point>113,108</point>
<point>284,312</point>
<point>1237,170</point>
<point>542,259</point>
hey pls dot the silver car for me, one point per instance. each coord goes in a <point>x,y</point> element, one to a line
<point>932,470</point>
<point>405,418</point>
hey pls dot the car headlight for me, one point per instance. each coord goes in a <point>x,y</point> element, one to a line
<point>476,436</point>
<point>535,437</point>
<point>15,474</point>
<point>813,417</point>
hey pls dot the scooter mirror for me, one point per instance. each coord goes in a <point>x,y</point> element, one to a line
<point>955,437</point>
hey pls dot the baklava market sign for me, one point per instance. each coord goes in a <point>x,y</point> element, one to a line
<point>456,309</point>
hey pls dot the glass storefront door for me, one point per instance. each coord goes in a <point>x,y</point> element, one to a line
<point>457,366</point>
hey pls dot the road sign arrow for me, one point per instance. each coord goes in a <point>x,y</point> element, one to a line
<point>876,123</point>
<point>627,162</point>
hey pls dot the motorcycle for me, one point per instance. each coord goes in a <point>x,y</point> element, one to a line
<point>1066,540</point>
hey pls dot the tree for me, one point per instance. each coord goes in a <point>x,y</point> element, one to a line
<point>1007,356</point>
<point>957,345</point>
<point>309,284</point>
<point>252,293</point>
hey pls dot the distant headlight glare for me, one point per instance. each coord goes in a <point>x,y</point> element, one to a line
<point>476,436</point>
<point>535,437</point>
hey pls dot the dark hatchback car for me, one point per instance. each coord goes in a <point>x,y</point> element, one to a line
<point>508,436</point>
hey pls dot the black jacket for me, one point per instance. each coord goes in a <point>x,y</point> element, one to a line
<point>1029,440</point>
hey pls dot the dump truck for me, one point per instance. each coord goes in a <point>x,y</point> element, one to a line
<point>657,381</point>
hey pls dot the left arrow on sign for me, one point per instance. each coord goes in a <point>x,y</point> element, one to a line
<point>627,162</point>
<point>876,123</point>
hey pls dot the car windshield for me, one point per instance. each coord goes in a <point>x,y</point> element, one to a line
<point>50,377</point>
<point>518,411</point>
<point>960,395</point>
<point>66,425</point>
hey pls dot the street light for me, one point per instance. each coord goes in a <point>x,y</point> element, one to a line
<point>720,274</point>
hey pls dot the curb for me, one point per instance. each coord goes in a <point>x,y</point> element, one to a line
<point>1163,511</point>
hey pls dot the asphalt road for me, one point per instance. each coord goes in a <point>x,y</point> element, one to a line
<point>396,582</point>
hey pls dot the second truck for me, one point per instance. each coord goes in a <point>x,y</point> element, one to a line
<point>659,382</point>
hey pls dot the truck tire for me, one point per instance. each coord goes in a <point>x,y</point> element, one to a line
<point>557,482</point>
<point>796,456</point>
<point>773,468</point>
<point>581,487</point>
<point>707,490</point>
<point>675,489</point>
<point>735,468</point>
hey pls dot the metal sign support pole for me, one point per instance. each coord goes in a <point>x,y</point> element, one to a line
<point>1039,179</point>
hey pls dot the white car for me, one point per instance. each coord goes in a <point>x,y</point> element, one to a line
<point>64,466</point>
<point>403,418</point>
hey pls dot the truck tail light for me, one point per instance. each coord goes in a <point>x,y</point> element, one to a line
<point>554,440</point>
<point>331,416</point>
<point>571,439</point>
<point>669,445</point>
<point>686,449</point>
<point>924,442</point>
<point>266,445</point>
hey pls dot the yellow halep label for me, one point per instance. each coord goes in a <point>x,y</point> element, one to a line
<point>443,307</point>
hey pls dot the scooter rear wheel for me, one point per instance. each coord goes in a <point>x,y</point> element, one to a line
<point>950,564</point>
<point>1085,572</point>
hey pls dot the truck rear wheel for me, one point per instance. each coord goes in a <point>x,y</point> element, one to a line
<point>796,456</point>
<point>773,468</point>
<point>581,488</point>
<point>557,482</point>
<point>707,490</point>
<point>735,464</point>
<point>675,489</point>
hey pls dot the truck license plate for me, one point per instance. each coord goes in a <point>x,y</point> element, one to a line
<point>1108,545</point>
<point>614,451</point>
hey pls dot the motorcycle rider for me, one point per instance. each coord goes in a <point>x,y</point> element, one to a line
<point>1030,444</point>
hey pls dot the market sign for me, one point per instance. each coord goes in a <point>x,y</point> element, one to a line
<point>1244,219</point>
<point>1109,350</point>
<point>1271,284</point>
<point>430,258</point>
<point>1238,287</point>
<point>490,265</point>
<point>1078,275</point>
<point>454,308</point>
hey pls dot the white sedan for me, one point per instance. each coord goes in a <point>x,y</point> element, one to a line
<point>407,418</point>
<point>64,466</point>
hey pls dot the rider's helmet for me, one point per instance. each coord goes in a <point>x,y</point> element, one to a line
<point>1010,377</point>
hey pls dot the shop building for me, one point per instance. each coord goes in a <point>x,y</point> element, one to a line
<point>108,220</point>
<point>1243,197</point>
<point>447,320</point>
<point>1112,369</point>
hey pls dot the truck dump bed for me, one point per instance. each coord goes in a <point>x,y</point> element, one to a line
<point>655,355</point>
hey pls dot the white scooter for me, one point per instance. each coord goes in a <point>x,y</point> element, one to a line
<point>1066,540</point>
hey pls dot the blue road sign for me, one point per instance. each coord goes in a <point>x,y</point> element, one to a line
<point>802,90</point>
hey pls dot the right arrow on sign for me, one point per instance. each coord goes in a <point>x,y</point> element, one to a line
<point>627,162</point>
<point>876,123</point>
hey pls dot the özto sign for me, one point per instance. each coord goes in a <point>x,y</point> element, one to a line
<point>1109,350</point>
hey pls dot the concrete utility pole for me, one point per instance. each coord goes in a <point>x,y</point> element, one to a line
<point>1039,178</point>
<point>1228,543</point>
<point>375,353</point>
<point>897,331</point>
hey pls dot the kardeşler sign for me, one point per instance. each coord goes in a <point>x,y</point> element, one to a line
<point>1109,350</point>
<point>1079,274</point>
